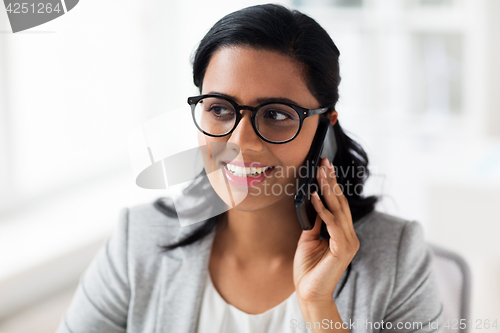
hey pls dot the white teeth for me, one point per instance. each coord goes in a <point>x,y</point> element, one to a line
<point>246,172</point>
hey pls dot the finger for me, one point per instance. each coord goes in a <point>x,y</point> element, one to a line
<point>313,234</point>
<point>334,229</point>
<point>336,199</point>
<point>327,190</point>
<point>339,240</point>
<point>342,217</point>
<point>337,189</point>
<point>343,202</point>
<point>332,179</point>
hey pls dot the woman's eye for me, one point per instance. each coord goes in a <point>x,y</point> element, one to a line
<point>276,115</point>
<point>220,111</point>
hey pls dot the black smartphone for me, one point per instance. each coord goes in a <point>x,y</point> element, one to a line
<point>323,145</point>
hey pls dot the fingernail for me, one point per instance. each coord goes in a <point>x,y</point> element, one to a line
<point>324,172</point>
<point>334,175</point>
<point>315,194</point>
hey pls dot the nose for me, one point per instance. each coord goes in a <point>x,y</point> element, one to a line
<point>244,135</point>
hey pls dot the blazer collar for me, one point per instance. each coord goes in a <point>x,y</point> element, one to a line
<point>184,271</point>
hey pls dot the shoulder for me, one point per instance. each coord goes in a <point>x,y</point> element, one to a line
<point>147,216</point>
<point>146,220</point>
<point>388,244</point>
<point>394,269</point>
<point>384,231</point>
<point>144,229</point>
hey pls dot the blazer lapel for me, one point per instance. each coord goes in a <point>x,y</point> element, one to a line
<point>183,275</point>
<point>184,271</point>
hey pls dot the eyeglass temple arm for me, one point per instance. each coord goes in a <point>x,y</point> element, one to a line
<point>313,112</point>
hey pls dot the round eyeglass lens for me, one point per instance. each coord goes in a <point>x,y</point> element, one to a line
<point>277,122</point>
<point>215,116</point>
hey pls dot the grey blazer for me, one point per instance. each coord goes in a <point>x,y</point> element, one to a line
<point>131,287</point>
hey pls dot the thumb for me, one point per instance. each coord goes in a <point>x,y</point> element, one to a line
<point>313,234</point>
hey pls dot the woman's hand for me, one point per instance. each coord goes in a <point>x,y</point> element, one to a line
<point>319,264</point>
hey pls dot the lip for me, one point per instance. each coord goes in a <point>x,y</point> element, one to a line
<point>245,181</point>
<point>246,164</point>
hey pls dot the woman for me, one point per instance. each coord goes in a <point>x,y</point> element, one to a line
<point>253,268</point>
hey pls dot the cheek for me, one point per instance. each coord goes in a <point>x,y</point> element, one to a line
<point>305,139</point>
<point>212,169</point>
<point>199,137</point>
<point>302,151</point>
<point>294,153</point>
<point>206,149</point>
<point>202,139</point>
<point>292,158</point>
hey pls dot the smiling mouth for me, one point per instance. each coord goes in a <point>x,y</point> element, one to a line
<point>245,171</point>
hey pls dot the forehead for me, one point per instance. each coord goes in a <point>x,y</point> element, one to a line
<point>248,74</point>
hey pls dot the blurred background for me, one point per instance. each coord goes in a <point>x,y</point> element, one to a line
<point>420,92</point>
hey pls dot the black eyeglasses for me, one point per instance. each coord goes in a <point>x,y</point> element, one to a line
<point>274,122</point>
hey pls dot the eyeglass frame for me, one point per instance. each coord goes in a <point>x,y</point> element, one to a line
<point>302,112</point>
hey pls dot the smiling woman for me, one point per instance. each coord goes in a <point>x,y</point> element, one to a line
<point>248,75</point>
<point>267,77</point>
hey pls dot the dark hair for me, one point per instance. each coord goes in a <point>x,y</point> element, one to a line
<point>276,28</point>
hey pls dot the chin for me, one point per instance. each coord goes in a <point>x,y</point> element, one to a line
<point>254,203</point>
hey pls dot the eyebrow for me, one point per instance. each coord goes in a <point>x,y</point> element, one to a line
<point>260,100</point>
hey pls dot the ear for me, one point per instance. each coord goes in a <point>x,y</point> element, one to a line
<point>332,115</point>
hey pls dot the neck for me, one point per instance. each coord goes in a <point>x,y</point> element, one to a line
<point>264,235</point>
